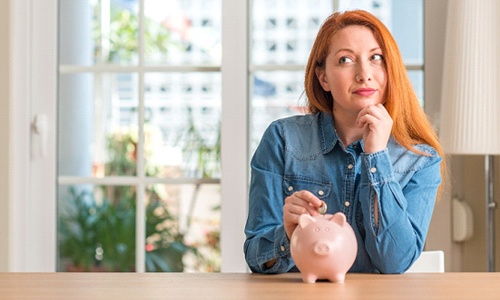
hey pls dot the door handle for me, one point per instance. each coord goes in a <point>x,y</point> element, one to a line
<point>39,130</point>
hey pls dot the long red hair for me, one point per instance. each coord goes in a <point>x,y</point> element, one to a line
<point>410,123</point>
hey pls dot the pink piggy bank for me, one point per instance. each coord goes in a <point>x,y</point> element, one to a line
<point>323,247</point>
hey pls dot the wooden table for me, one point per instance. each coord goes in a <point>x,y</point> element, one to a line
<point>185,286</point>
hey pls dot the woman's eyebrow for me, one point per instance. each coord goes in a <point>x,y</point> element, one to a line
<point>352,51</point>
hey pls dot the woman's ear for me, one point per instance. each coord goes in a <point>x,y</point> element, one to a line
<point>320,74</point>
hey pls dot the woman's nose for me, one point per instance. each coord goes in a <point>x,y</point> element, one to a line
<point>363,74</point>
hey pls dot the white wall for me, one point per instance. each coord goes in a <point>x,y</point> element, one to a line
<point>439,236</point>
<point>4,133</point>
<point>466,179</point>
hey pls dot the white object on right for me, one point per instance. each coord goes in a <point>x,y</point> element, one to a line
<point>428,262</point>
<point>463,225</point>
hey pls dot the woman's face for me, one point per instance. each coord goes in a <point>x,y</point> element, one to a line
<point>354,70</point>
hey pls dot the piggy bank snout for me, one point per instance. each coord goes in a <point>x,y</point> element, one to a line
<point>322,248</point>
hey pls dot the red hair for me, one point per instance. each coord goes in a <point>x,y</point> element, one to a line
<point>410,123</point>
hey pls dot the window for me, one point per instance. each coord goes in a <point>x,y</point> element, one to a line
<point>142,96</point>
<point>139,135</point>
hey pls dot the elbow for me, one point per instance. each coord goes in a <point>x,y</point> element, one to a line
<point>390,271</point>
<point>395,265</point>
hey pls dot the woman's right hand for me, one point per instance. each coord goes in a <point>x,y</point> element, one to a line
<point>301,202</point>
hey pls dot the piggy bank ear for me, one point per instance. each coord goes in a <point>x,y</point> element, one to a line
<point>305,220</point>
<point>339,218</point>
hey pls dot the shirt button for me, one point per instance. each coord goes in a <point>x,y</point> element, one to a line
<point>283,248</point>
<point>290,188</point>
<point>347,203</point>
<point>350,166</point>
<point>373,170</point>
<point>321,193</point>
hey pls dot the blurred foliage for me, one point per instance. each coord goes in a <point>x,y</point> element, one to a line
<point>121,43</point>
<point>202,154</point>
<point>97,228</point>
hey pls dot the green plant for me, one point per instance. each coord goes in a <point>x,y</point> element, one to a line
<point>101,236</point>
<point>199,151</point>
<point>96,236</point>
<point>165,244</point>
<point>97,227</point>
<point>123,38</point>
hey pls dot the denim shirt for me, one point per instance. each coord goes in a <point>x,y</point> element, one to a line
<point>305,153</point>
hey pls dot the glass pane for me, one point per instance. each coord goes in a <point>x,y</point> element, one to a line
<point>97,133</point>
<point>408,29</point>
<point>182,128</point>
<point>276,94</point>
<point>417,79</point>
<point>183,228</point>
<point>107,32</point>
<point>283,31</point>
<point>183,32</point>
<point>96,228</point>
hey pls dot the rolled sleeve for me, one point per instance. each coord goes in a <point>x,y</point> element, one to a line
<point>404,213</point>
<point>266,238</point>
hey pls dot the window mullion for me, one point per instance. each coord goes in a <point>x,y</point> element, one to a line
<point>234,132</point>
<point>140,226</point>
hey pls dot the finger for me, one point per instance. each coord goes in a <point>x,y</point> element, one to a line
<point>308,198</point>
<point>378,111</point>
<point>364,120</point>
<point>295,208</point>
<point>382,108</point>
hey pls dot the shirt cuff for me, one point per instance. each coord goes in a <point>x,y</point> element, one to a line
<point>281,252</point>
<point>378,168</point>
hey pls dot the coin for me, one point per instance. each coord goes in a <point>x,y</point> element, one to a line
<point>322,208</point>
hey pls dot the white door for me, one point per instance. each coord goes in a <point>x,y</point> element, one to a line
<point>33,210</point>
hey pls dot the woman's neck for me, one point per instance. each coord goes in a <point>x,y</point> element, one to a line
<point>347,129</point>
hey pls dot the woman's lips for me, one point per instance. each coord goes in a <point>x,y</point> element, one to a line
<point>365,91</point>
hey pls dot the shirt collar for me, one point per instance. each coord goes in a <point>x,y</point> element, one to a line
<point>329,137</point>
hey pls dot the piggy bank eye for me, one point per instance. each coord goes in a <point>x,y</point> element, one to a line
<point>317,229</point>
<point>327,228</point>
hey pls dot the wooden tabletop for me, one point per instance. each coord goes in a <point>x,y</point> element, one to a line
<point>185,286</point>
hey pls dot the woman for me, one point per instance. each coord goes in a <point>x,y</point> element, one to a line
<point>366,149</point>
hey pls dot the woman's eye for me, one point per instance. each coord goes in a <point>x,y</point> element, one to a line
<point>377,57</point>
<point>344,59</point>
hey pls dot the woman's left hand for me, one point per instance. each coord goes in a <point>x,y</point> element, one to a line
<point>377,125</point>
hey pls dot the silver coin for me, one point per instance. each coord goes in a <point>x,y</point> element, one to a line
<point>322,208</point>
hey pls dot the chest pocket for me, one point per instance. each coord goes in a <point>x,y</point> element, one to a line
<point>292,184</point>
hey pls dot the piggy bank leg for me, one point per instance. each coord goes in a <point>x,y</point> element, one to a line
<point>309,278</point>
<point>339,278</point>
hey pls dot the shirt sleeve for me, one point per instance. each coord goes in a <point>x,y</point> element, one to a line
<point>266,238</point>
<point>397,238</point>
